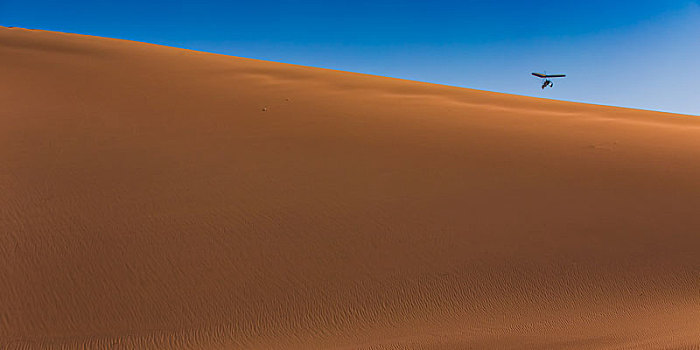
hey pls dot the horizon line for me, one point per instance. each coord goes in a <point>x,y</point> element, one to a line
<point>345,71</point>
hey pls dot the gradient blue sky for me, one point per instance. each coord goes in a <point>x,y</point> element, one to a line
<point>640,54</point>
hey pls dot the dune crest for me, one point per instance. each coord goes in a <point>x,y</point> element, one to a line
<point>155,197</point>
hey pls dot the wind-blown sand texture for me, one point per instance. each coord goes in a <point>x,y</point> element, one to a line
<point>160,198</point>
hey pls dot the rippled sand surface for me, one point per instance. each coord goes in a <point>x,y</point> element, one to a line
<point>160,198</point>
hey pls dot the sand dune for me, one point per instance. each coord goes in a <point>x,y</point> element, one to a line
<point>154,197</point>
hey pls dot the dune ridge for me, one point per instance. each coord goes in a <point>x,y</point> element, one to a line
<point>155,197</point>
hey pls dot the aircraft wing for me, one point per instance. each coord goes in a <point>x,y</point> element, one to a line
<point>540,75</point>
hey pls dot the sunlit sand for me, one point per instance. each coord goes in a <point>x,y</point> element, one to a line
<point>160,198</point>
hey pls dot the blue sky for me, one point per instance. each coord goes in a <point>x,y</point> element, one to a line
<point>639,54</point>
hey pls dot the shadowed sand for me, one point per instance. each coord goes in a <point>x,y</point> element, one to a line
<point>153,197</point>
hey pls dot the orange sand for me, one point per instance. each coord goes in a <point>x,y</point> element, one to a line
<point>148,201</point>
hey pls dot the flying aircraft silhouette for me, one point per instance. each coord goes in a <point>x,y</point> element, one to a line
<point>546,77</point>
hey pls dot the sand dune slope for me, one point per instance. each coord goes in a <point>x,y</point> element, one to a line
<point>153,197</point>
